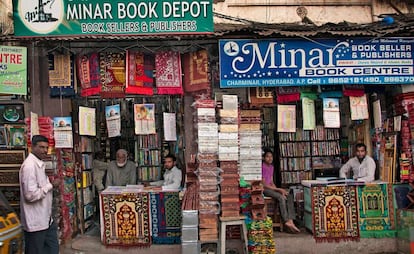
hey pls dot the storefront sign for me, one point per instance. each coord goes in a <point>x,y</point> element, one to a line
<point>122,17</point>
<point>284,62</point>
<point>13,70</point>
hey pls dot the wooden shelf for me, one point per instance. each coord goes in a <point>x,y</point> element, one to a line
<point>293,169</point>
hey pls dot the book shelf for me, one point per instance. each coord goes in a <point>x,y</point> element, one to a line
<point>304,154</point>
<point>84,181</point>
<point>148,157</point>
<point>326,152</point>
<point>267,126</point>
<point>10,162</point>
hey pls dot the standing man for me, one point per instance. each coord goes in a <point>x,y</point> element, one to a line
<point>36,193</point>
<point>122,171</point>
<point>172,175</point>
<point>362,165</point>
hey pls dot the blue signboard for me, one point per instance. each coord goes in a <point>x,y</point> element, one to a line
<point>299,62</point>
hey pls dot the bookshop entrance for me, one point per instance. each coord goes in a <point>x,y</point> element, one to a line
<point>135,124</point>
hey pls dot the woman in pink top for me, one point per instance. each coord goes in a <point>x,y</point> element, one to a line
<point>287,209</point>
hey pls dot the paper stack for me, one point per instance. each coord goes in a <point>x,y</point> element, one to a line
<point>207,171</point>
<point>250,145</point>
<point>228,156</point>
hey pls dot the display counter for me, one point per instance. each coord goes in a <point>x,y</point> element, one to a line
<point>134,216</point>
<point>348,210</point>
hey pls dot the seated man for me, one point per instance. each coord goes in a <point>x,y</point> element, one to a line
<point>172,175</point>
<point>122,171</point>
<point>362,165</point>
<point>285,198</point>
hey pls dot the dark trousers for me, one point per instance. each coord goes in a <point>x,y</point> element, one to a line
<point>286,205</point>
<point>42,242</point>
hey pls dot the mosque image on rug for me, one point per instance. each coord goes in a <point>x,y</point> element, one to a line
<point>126,219</point>
<point>335,213</point>
<point>376,211</point>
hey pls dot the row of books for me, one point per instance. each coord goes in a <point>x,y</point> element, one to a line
<point>148,141</point>
<point>295,164</point>
<point>268,138</point>
<point>149,173</point>
<point>321,133</point>
<point>149,157</point>
<point>299,135</point>
<point>326,148</point>
<point>298,149</point>
<point>295,177</point>
<point>87,161</point>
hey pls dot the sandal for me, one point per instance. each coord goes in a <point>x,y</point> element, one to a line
<point>291,229</point>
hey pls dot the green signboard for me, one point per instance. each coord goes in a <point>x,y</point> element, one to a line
<point>13,70</point>
<point>106,17</point>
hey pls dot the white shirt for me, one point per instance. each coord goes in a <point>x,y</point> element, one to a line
<point>172,179</point>
<point>364,171</point>
<point>35,195</point>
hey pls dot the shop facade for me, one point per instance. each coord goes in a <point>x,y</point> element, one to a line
<point>283,87</point>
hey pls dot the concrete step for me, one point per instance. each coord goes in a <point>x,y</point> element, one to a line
<point>285,244</point>
<point>305,243</point>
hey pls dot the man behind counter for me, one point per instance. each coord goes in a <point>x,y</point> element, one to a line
<point>122,171</point>
<point>172,175</point>
<point>362,165</point>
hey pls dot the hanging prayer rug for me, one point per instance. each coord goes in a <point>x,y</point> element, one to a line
<point>287,94</point>
<point>126,219</point>
<point>354,90</point>
<point>168,73</point>
<point>140,73</point>
<point>61,75</point>
<point>335,213</point>
<point>165,217</point>
<point>59,70</point>
<point>196,71</point>
<point>113,74</point>
<point>376,218</point>
<point>88,74</point>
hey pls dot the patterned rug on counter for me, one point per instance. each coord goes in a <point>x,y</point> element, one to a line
<point>335,213</point>
<point>376,211</point>
<point>165,217</point>
<point>126,219</point>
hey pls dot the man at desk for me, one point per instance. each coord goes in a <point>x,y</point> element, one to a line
<point>172,175</point>
<point>362,165</point>
<point>121,171</point>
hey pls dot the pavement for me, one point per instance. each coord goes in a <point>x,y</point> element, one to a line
<point>285,244</point>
